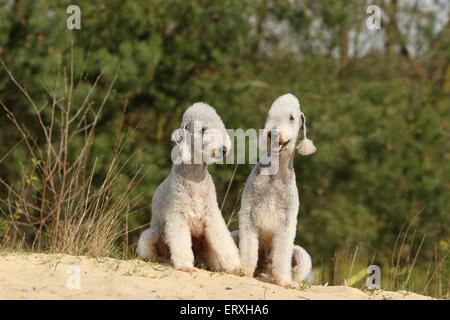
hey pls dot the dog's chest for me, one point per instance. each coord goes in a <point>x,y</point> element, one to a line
<point>272,202</point>
<point>196,217</point>
<point>196,209</point>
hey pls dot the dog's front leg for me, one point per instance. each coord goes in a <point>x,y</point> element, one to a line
<point>219,239</point>
<point>178,239</point>
<point>281,256</point>
<point>248,245</point>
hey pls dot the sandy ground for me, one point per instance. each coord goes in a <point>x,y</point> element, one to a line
<point>43,276</point>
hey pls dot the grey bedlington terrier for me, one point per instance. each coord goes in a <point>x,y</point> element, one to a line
<point>270,202</point>
<point>186,220</point>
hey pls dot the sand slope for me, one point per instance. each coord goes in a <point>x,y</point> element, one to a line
<point>43,276</point>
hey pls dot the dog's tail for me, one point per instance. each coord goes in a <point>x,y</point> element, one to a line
<point>301,265</point>
<point>146,244</point>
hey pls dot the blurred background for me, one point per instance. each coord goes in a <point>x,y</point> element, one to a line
<point>377,103</point>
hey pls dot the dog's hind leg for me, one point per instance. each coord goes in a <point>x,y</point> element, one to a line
<point>301,265</point>
<point>146,248</point>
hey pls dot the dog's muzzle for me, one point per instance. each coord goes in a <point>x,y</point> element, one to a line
<point>279,145</point>
<point>219,152</point>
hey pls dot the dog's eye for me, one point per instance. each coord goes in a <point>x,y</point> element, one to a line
<point>291,117</point>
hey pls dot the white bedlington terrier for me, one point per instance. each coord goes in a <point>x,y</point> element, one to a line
<point>301,263</point>
<point>270,202</point>
<point>186,220</point>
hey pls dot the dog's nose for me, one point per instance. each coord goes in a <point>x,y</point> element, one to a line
<point>273,133</point>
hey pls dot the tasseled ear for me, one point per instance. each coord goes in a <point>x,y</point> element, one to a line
<point>305,147</point>
<point>185,153</point>
<point>180,136</point>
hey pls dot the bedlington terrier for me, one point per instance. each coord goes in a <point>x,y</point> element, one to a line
<point>186,220</point>
<point>301,263</point>
<point>270,202</point>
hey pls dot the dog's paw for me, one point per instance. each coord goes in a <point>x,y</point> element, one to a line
<point>247,273</point>
<point>236,271</point>
<point>286,283</point>
<point>186,269</point>
<point>142,258</point>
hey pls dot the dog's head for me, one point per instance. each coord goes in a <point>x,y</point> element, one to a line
<point>283,123</point>
<point>202,137</point>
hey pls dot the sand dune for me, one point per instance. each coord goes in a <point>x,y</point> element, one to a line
<point>43,276</point>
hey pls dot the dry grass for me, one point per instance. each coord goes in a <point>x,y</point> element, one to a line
<point>402,272</point>
<point>56,206</point>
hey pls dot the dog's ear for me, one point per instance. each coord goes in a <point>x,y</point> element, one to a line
<point>305,147</point>
<point>182,138</point>
<point>178,136</point>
